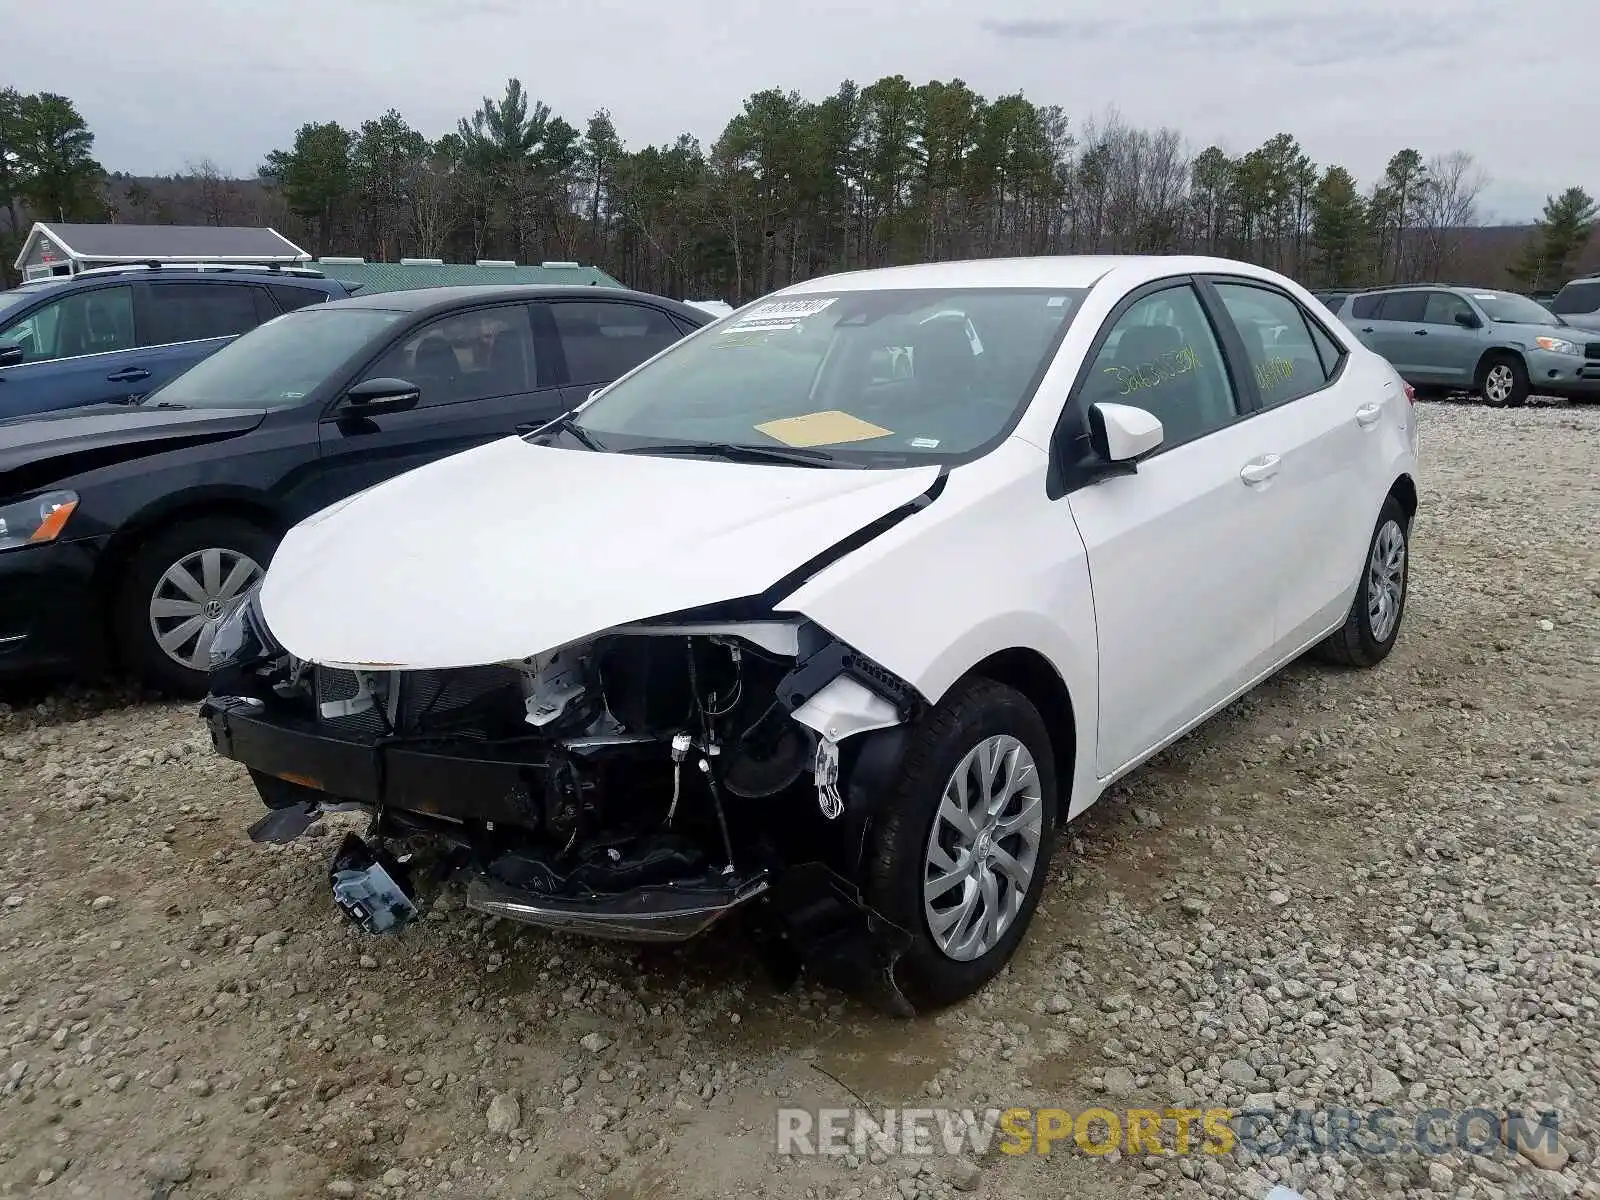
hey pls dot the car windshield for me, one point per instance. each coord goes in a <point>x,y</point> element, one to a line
<point>279,364</point>
<point>9,300</point>
<point>1576,297</point>
<point>1512,309</point>
<point>869,378</point>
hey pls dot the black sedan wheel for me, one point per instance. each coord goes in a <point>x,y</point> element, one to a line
<point>176,592</point>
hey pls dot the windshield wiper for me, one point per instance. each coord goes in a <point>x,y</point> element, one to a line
<point>794,456</point>
<point>566,424</point>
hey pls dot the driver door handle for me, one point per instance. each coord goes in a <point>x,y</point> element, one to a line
<point>1420,332</point>
<point>1366,329</point>
<point>1259,470</point>
<point>1369,413</point>
<point>128,375</point>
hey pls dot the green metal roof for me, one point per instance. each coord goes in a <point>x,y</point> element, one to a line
<point>399,277</point>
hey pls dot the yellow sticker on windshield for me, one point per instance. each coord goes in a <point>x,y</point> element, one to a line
<point>822,429</point>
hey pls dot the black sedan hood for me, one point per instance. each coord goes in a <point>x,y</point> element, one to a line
<point>39,450</point>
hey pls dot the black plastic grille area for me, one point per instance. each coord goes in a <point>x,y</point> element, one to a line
<point>1591,350</point>
<point>469,702</point>
<point>333,684</point>
<point>475,701</point>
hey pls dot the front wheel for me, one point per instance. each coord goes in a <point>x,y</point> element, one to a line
<point>1369,632</point>
<point>1503,382</point>
<point>175,593</point>
<point>960,857</point>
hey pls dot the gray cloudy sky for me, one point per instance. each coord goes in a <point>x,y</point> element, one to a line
<point>166,82</point>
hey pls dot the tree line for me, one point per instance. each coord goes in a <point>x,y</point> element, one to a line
<point>892,172</point>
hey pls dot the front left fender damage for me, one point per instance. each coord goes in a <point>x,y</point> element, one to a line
<point>643,784</point>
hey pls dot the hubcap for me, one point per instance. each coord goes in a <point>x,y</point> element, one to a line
<point>1498,383</point>
<point>1386,574</point>
<point>192,597</point>
<point>983,848</point>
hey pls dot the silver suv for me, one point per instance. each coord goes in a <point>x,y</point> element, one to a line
<point>1503,346</point>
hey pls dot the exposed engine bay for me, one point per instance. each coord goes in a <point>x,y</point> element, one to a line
<point>641,784</point>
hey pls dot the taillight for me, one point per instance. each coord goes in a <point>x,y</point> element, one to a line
<point>1411,393</point>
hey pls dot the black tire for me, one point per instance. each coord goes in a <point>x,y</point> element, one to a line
<point>137,647</point>
<point>974,710</point>
<point>1520,386</point>
<point>1354,644</point>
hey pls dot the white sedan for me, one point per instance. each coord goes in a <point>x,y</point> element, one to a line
<point>833,613</point>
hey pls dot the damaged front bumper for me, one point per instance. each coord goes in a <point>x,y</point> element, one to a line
<point>544,825</point>
<point>460,801</point>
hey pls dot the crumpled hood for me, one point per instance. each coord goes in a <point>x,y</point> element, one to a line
<point>511,549</point>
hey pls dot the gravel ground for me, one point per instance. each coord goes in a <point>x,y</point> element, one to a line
<point>1349,889</point>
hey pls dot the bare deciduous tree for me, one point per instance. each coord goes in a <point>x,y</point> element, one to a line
<point>217,196</point>
<point>1446,208</point>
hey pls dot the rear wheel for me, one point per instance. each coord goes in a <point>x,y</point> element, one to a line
<point>175,592</point>
<point>1370,630</point>
<point>960,858</point>
<point>1503,381</point>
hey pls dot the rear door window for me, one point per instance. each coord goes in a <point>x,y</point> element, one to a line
<point>1404,306</point>
<point>1366,307</point>
<point>1277,342</point>
<point>604,339</point>
<point>194,312</point>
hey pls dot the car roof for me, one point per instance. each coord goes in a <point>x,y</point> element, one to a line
<point>171,271</point>
<point>1046,271</point>
<point>443,299</point>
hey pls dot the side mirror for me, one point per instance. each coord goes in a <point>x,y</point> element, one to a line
<point>1121,433</point>
<point>1468,320</point>
<point>11,354</point>
<point>372,397</point>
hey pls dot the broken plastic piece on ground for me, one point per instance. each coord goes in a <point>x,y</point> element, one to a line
<point>371,887</point>
<point>283,825</point>
<point>669,912</point>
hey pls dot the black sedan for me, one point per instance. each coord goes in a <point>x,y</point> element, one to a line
<point>126,531</point>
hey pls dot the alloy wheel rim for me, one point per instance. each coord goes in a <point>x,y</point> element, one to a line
<point>1497,385</point>
<point>192,598</point>
<point>983,849</point>
<point>1386,580</point>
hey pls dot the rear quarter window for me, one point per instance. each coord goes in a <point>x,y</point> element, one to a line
<point>290,297</point>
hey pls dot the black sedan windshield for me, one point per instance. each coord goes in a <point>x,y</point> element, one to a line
<point>871,377</point>
<point>279,364</point>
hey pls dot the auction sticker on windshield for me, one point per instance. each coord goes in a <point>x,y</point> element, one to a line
<point>778,314</point>
<point>822,429</point>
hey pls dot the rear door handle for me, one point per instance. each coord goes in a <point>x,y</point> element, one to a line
<point>128,375</point>
<point>1420,332</point>
<point>1366,329</point>
<point>1258,470</point>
